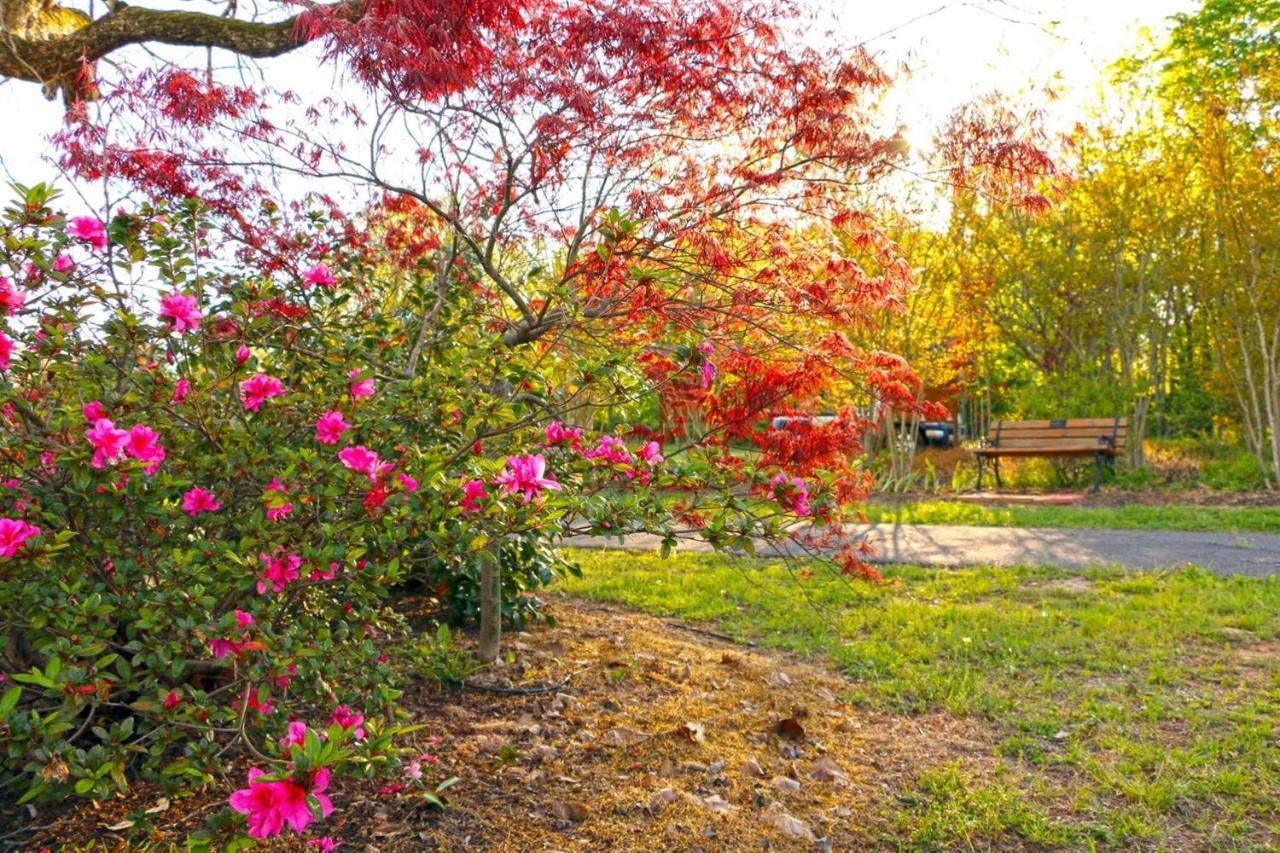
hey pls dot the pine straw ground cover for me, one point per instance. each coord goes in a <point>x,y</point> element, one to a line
<point>988,709</point>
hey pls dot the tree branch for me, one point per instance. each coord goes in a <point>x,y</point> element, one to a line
<point>59,59</point>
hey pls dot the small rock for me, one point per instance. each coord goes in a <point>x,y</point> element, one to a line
<point>668,795</point>
<point>824,694</point>
<point>825,769</point>
<point>717,804</point>
<point>785,785</point>
<point>751,767</point>
<point>778,678</point>
<point>777,817</point>
<point>623,737</point>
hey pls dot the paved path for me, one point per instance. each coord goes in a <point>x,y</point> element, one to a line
<point>1255,554</point>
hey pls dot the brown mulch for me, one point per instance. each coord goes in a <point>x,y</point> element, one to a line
<point>666,736</point>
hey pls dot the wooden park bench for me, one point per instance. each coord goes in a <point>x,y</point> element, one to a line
<point>1101,438</point>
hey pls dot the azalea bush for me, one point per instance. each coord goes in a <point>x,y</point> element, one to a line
<point>219,476</point>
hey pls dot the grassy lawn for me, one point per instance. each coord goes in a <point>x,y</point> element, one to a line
<point>1173,517</point>
<point>1122,710</point>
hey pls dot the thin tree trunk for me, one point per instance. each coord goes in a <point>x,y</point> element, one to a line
<point>490,607</point>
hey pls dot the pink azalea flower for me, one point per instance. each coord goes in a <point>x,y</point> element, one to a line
<point>792,494</point>
<point>93,411</point>
<point>221,648</point>
<point>349,720</point>
<point>242,354</point>
<point>319,575</point>
<point>276,510</point>
<point>708,374</point>
<point>279,572</point>
<point>408,483</point>
<point>63,264</point>
<point>364,460</point>
<point>182,310</point>
<point>270,805</point>
<point>527,475</point>
<point>317,275</point>
<point>88,229</point>
<point>472,493</point>
<point>181,389</point>
<point>611,450</point>
<point>14,532</point>
<point>108,442</point>
<point>143,444</point>
<point>330,427</point>
<point>651,453</point>
<point>198,500</point>
<point>558,433</point>
<point>297,733</point>
<point>6,351</point>
<point>258,389</point>
<point>11,299</point>
<point>359,388</point>
<point>172,700</point>
<point>413,770</point>
<point>324,844</point>
<point>244,620</point>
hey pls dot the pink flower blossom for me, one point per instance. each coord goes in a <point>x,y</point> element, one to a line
<point>244,620</point>
<point>317,275</point>
<point>198,500</point>
<point>222,648</point>
<point>88,229</point>
<point>708,374</point>
<point>258,389</point>
<point>324,844</point>
<point>407,483</point>
<point>181,389</point>
<point>93,411</point>
<point>527,475</point>
<point>143,444</point>
<point>413,770</point>
<point>172,700</point>
<point>611,450</point>
<point>6,351</point>
<point>359,387</point>
<point>276,507</point>
<point>14,532</point>
<point>108,442</point>
<point>364,460</point>
<point>706,347</point>
<point>558,433</point>
<point>297,733</point>
<point>242,354</point>
<point>330,427</point>
<point>317,574</point>
<point>791,494</point>
<point>651,453</point>
<point>63,264</point>
<point>182,310</point>
<point>279,572</point>
<point>11,299</point>
<point>349,720</point>
<point>270,805</point>
<point>472,493</point>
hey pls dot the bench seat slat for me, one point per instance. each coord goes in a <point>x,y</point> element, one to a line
<point>1061,450</point>
<point>1106,423</point>
<point>1053,441</point>
<point>1071,432</point>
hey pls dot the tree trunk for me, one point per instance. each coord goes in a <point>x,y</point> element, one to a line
<point>1138,432</point>
<point>490,607</point>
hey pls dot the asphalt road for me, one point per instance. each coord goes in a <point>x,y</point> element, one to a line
<point>1254,554</point>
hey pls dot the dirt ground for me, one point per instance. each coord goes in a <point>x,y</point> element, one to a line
<point>663,737</point>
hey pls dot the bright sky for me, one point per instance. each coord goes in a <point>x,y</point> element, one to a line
<point>956,50</point>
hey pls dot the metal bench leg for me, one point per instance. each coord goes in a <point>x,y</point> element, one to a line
<point>979,473</point>
<point>1097,472</point>
<point>995,463</point>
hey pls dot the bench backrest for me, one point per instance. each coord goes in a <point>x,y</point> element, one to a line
<point>1070,434</point>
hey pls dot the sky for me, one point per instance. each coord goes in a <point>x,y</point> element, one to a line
<point>956,51</point>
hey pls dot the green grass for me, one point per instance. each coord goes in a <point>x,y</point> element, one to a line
<point>1125,710</point>
<point>1171,517</point>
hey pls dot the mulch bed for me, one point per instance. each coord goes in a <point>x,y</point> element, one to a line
<point>665,736</point>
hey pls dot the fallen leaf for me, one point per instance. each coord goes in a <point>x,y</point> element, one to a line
<point>789,728</point>
<point>623,737</point>
<point>728,659</point>
<point>120,827</point>
<point>694,732</point>
<point>569,810</point>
